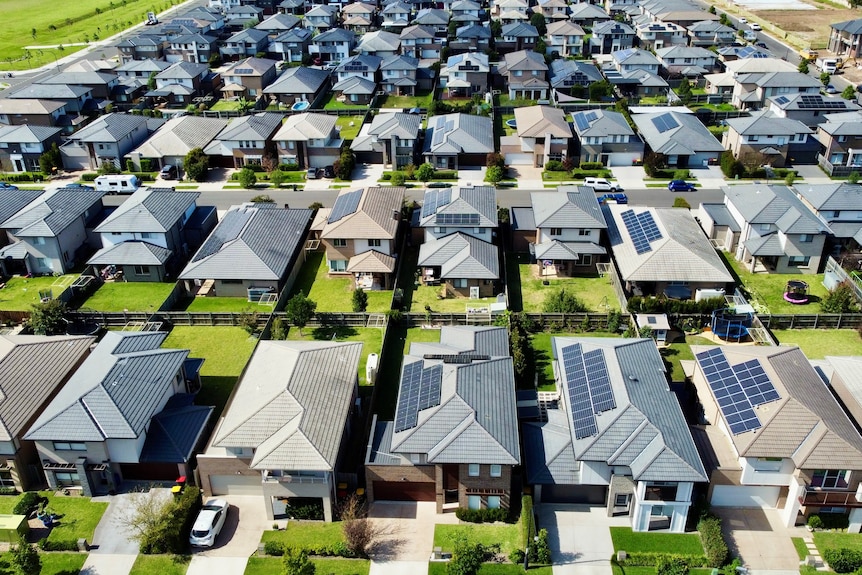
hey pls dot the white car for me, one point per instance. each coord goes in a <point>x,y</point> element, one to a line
<point>755,26</point>
<point>602,185</point>
<point>743,20</point>
<point>209,522</point>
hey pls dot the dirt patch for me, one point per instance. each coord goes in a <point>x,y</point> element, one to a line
<point>812,25</point>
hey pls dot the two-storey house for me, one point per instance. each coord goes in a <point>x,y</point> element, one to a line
<point>32,112</point>
<point>605,136</point>
<point>299,84</point>
<point>840,138</point>
<point>245,140</point>
<point>399,75</point>
<point>335,45</point>
<point>248,78</point>
<point>191,48</point>
<point>840,205</point>
<point>611,36</point>
<point>770,139</point>
<point>421,41</point>
<point>244,44</point>
<point>708,33</point>
<point>517,36</point>
<point>526,75</point>
<point>321,17</point>
<point>181,82</point>
<point>21,146</point>
<point>390,139</point>
<point>657,35</point>
<point>310,140</point>
<point>465,74</point>
<point>106,140</point>
<point>291,45</point>
<point>564,38</point>
<point>543,134</point>
<point>686,59</point>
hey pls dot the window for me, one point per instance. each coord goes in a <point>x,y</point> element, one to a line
<point>657,511</point>
<point>142,270</point>
<point>38,241</point>
<point>767,464</point>
<point>459,283</point>
<point>765,227</point>
<point>621,500</point>
<point>473,470</point>
<point>753,138</point>
<point>474,502</point>
<point>66,478</point>
<point>146,235</point>
<point>833,510</point>
<point>798,261</point>
<point>69,446</point>
<point>6,479</point>
<point>374,243</point>
<point>584,260</point>
<point>584,232</point>
<point>496,471</point>
<point>234,282</point>
<point>830,478</point>
<point>660,491</point>
<point>493,502</point>
<point>842,138</point>
<point>806,238</point>
<point>338,265</point>
<point>339,243</point>
<point>556,231</point>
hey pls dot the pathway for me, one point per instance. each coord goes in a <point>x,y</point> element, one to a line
<point>814,553</point>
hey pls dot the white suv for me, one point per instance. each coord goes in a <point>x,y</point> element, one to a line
<point>602,185</point>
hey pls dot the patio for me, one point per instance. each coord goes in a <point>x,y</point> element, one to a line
<point>19,293</point>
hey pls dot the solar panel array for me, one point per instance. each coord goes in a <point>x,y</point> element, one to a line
<point>228,230</point>
<point>345,204</point>
<point>244,71</point>
<point>588,386</point>
<point>664,123</point>
<point>457,219</point>
<point>581,121</point>
<point>439,131</point>
<point>816,101</point>
<point>781,100</point>
<point>642,229</point>
<point>457,358</point>
<point>738,389</point>
<point>420,389</point>
<point>434,199</point>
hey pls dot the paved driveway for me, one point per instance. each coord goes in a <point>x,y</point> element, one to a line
<point>579,537</point>
<point>759,539</point>
<point>246,521</point>
<point>407,530</point>
<point>112,534</point>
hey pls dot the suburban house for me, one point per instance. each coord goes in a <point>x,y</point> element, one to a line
<point>379,43</point>
<point>564,38</point>
<point>471,38</point>
<point>732,53</point>
<point>525,74</point>
<point>570,77</point>
<point>361,236</point>
<point>248,78</point>
<point>254,249</point>
<point>770,139</point>
<point>356,90</point>
<point>464,10</point>
<point>295,7</point>
<point>611,36</point>
<point>299,84</point>
<point>150,236</point>
<point>191,48</point>
<point>605,136</point>
<point>51,234</point>
<point>552,10</point>
<point>845,38</point>
<point>13,201</point>
<point>663,251</point>
<point>778,232</point>
<point>390,139</point>
<point>245,140</point>
<point>454,140</point>
<point>21,146</point>
<point>840,205</point>
<point>618,437</point>
<point>587,14</point>
<point>634,59</point>
<point>32,112</point>
<point>840,136</point>
<point>133,78</point>
<point>181,82</point>
<point>24,397</point>
<point>310,140</point>
<point>399,75</point>
<point>420,41</point>
<point>141,47</point>
<point>780,439</point>
<point>334,45</point>
<point>126,413</point>
<point>434,18</point>
<point>509,10</point>
<point>465,74</point>
<point>321,17</point>
<point>279,23</point>
<point>175,139</point>
<point>291,45</point>
<point>543,134</point>
<point>357,78</point>
<point>458,250</point>
<point>680,12</point>
<point>562,230</point>
<point>708,33</point>
<point>76,99</point>
<point>686,60</point>
<point>242,16</point>
<point>285,431</point>
<point>246,43</point>
<point>681,137</point>
<point>454,439</point>
<point>396,15</point>
<point>660,35</point>
<point>813,109</point>
<point>517,36</point>
<point>752,81</point>
<point>107,139</point>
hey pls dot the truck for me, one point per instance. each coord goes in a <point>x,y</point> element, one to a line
<point>809,55</point>
<point>829,65</point>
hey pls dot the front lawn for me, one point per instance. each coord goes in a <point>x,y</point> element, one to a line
<point>349,126</point>
<point>334,294</point>
<point>222,304</point>
<point>818,343</point>
<point>683,543</point>
<point>826,539</point>
<point>595,292</point>
<point>129,296</point>
<point>427,295</point>
<point>679,351</point>
<point>226,351</point>
<point>439,568</point>
<point>371,338</point>
<point>504,535</point>
<point>306,533</point>
<point>20,293</point>
<point>78,515</point>
<point>543,356</point>
<point>801,547</point>
<point>64,563</point>
<point>324,566</point>
<point>161,564</point>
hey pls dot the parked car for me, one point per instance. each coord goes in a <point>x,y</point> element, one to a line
<point>439,185</point>
<point>602,185</point>
<point>830,89</point>
<point>743,20</point>
<point>329,172</point>
<point>79,188</point>
<point>169,172</point>
<point>615,198</point>
<point>311,174</point>
<point>680,186</point>
<point>762,45</point>
<point>755,26</point>
<point>209,522</point>
<point>9,187</point>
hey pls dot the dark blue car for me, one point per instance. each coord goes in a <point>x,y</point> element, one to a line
<point>616,197</point>
<point>680,186</point>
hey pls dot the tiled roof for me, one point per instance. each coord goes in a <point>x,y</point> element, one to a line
<point>299,80</point>
<point>568,207</point>
<point>479,200</point>
<point>371,261</point>
<point>774,204</point>
<point>306,126</point>
<point>178,136</point>
<point>541,121</point>
<point>149,210</point>
<point>461,133</point>
<point>131,253</point>
<point>51,213</point>
<point>373,217</point>
<point>460,256</point>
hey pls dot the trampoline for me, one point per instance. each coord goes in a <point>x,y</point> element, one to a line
<point>512,123</point>
<point>730,324</point>
<point>796,292</point>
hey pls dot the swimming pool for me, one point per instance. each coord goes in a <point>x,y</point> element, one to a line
<point>511,123</point>
<point>300,106</point>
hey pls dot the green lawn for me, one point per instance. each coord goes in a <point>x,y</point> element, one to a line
<point>306,533</point>
<point>427,295</point>
<point>324,566</point>
<point>423,100</point>
<point>508,130</point>
<point>349,132</point>
<point>334,294</point>
<point>626,570</point>
<point>767,290</point>
<point>438,568</point>
<point>333,104</point>
<point>78,515</point>
<point>681,350</point>
<point>20,292</point>
<point>684,543</point>
<point>371,338</point>
<point>826,539</point>
<point>595,292</point>
<point>65,563</point>
<point>224,304</point>
<point>225,106</point>
<point>818,343</point>
<point>801,548</point>
<point>220,370</point>
<point>543,356</point>
<point>161,564</point>
<point>129,296</point>
<point>504,535</point>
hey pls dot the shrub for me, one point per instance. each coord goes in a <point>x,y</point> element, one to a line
<point>562,301</point>
<point>681,175</point>
<point>360,300</point>
<point>481,515</point>
<point>8,491</point>
<point>815,522</point>
<point>835,520</point>
<point>247,178</point>
<point>28,503</point>
<point>398,179</point>
<point>650,559</point>
<point>543,550</point>
<point>640,304</point>
<point>274,548</point>
<point>554,166</point>
<point>302,508</point>
<point>171,533</point>
<point>517,556</point>
<point>842,559</point>
<point>713,542</point>
<point>671,566</point>
<point>494,175</point>
<point>89,176</point>
<point>425,172</point>
<point>61,545</point>
<point>591,165</point>
<point>840,299</point>
<point>526,521</point>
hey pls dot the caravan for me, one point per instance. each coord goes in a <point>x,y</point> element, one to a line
<point>118,184</point>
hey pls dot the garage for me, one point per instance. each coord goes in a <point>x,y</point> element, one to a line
<point>744,496</point>
<point>519,159</point>
<point>235,485</point>
<point>581,494</point>
<point>404,491</point>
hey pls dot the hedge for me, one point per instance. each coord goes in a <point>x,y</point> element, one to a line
<point>526,522</point>
<point>482,515</point>
<point>640,304</point>
<point>713,542</point>
<point>834,520</point>
<point>22,177</point>
<point>276,549</point>
<point>842,559</point>
<point>61,545</point>
<point>652,559</point>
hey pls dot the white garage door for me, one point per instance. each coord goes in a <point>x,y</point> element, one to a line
<point>235,485</point>
<point>744,496</point>
<point>519,159</point>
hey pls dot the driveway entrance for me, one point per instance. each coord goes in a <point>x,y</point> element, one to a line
<point>579,537</point>
<point>758,537</point>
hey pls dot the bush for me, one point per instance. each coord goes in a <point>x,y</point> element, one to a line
<point>482,515</point>
<point>303,508</point>
<point>89,176</point>
<point>8,491</point>
<point>642,304</point>
<point>554,166</point>
<point>398,179</point>
<point>842,559</point>
<point>591,165</point>
<point>517,556</point>
<point>526,521</point>
<point>28,503</point>
<point>840,299</point>
<point>62,545</point>
<point>835,520</point>
<point>649,559</point>
<point>274,548</point>
<point>681,175</point>
<point>171,533</point>
<point>713,542</point>
<point>563,301</point>
<point>671,566</point>
<point>815,522</point>
<point>543,550</point>
<point>360,300</point>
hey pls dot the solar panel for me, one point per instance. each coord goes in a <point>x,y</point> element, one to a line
<point>781,100</point>
<point>244,71</point>
<point>434,199</point>
<point>227,231</point>
<point>581,121</point>
<point>420,389</point>
<point>345,204</point>
<point>583,417</point>
<point>456,357</point>
<point>664,123</point>
<point>756,384</point>
<point>457,219</point>
<point>636,232</point>
<point>591,116</point>
<point>649,227</point>
<point>599,381</point>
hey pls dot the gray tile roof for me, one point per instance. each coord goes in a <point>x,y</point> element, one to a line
<point>335,35</point>
<point>473,31</point>
<point>850,26</point>
<point>523,219</point>
<point>147,66</point>
<point>832,197</point>
<point>256,127</point>
<point>461,257</point>
<point>183,70</point>
<point>377,41</point>
<point>110,128</point>
<point>721,216</point>
<point>291,404</point>
<point>131,253</point>
<point>432,17</point>
<point>768,124</point>
<point>299,80</point>
<point>774,204</point>
<point>568,207</point>
<point>356,85</point>
<point>51,92</point>
<point>373,217</point>
<point>417,31</point>
<point>114,393</point>
<point>689,137</point>
<point>176,431</point>
<point>568,251</point>
<point>306,126</point>
<point>523,60</point>
<point>634,57</point>
<point>462,134</point>
<point>27,134</point>
<point>399,62</point>
<point>249,35</point>
<point>80,78</point>
<point>279,22</point>
<point>29,105</point>
<point>519,30</point>
<point>51,213</point>
<point>612,27</point>
<point>149,210</point>
<point>250,67</point>
<point>587,11</point>
<point>178,136</point>
<point>481,200</point>
<point>576,71</point>
<point>13,201</point>
<point>683,253</point>
<point>250,242</point>
<point>602,123</point>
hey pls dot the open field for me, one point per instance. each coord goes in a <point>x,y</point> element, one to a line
<point>811,25</point>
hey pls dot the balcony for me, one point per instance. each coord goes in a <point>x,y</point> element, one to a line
<point>820,498</point>
<point>279,477</point>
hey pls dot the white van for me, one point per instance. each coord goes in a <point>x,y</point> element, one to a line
<point>118,184</point>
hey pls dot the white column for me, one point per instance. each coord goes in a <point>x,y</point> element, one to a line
<point>855,520</point>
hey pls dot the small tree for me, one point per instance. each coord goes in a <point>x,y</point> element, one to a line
<point>145,514</point>
<point>359,532</point>
<point>360,300</point>
<point>712,9</point>
<point>344,165</point>
<point>425,172</point>
<point>247,178</point>
<point>48,318</point>
<point>278,330</point>
<point>277,177</point>
<point>790,178</point>
<point>537,20</point>
<point>839,300</point>
<point>803,66</point>
<point>824,78</point>
<point>849,93</point>
<point>25,559</point>
<point>295,562</point>
<point>300,310</point>
<point>51,160</point>
<point>599,90</point>
<point>495,159</point>
<point>563,301</point>
<point>196,164</point>
<point>684,91</point>
<point>397,179</point>
<point>151,81</point>
<point>853,177</point>
<point>494,175</point>
<point>215,60</point>
<point>467,558</point>
<point>247,320</point>
<point>262,199</point>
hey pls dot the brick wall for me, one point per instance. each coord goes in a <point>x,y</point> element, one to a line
<point>414,473</point>
<point>484,485</point>
<point>222,466</point>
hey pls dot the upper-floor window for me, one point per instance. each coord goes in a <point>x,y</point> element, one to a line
<point>70,446</point>
<point>496,470</point>
<point>556,231</point>
<point>374,243</point>
<point>831,478</point>
<point>584,232</point>
<point>806,238</point>
<point>339,243</point>
<point>661,491</point>
<point>473,470</point>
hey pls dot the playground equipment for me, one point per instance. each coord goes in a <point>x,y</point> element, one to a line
<point>728,323</point>
<point>796,292</point>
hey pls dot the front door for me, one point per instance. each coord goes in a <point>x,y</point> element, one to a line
<point>450,482</point>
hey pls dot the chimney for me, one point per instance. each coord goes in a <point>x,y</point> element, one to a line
<point>396,215</point>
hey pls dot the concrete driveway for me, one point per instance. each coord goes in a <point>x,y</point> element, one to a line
<point>112,533</point>
<point>245,523</point>
<point>579,537</point>
<point>407,530</point>
<point>758,537</point>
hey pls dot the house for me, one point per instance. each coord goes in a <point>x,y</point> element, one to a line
<point>562,231</point>
<point>396,16</point>
<point>355,89</point>
<point>778,232</point>
<point>134,76</point>
<point>195,47</point>
<point>517,36</point>
<point>295,7</point>
<point>33,112</point>
<point>453,140</point>
<point>837,136</point>
<point>333,45</point>
<point>454,439</point>
<point>508,11</point>
<point>465,74</point>
<point>24,397</point>
<point>126,413</point>
<point>471,38</point>
<point>367,12</point>
<point>840,205</point>
<point>299,84</point>
<point>291,45</point>
<point>660,248</point>
<point>683,59</point>
<point>278,24</point>
<point>389,139</point>
<point>181,82</point>
<point>587,14</point>
<point>379,43</point>
<point>248,78</point>
<point>313,387</point>
<point>361,236</point>
<point>435,18</point>
<point>254,249</point>
<point>707,33</point>
<point>811,109</point>
<point>543,134</point>
<point>175,139</point>
<point>310,140</point>
<point>845,38</point>
<point>659,35</point>
<point>21,146</point>
<point>48,233</point>
<point>605,136</point>
<point>637,83</point>
<point>242,16</point>
<point>526,75</point>
<point>682,12</point>
<point>321,17</point>
<point>142,47</point>
<point>101,83</point>
<point>468,210</point>
<point>245,140</point>
<point>733,52</point>
<point>564,38</point>
<point>150,236</point>
<point>13,201</point>
<point>634,59</point>
<point>771,140</point>
<point>465,11</point>
<point>107,139</point>
<point>570,77</point>
<point>245,43</point>
<point>420,41</point>
<point>785,443</point>
<point>629,449</point>
<point>399,75</point>
<point>611,36</point>
<point>75,99</point>
<point>680,136</point>
<point>552,10</point>
<point>752,81</point>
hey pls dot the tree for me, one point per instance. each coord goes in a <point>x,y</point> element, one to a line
<point>824,78</point>
<point>849,93</point>
<point>196,164</point>
<point>247,178</point>
<point>563,301</point>
<point>278,330</point>
<point>425,172</point>
<point>496,28</point>
<point>277,177</point>
<point>295,562</point>
<point>537,20</point>
<point>495,159</point>
<point>494,175</point>
<point>247,320</point>
<point>653,162</point>
<point>145,514</point>
<point>25,559</point>
<point>360,300</point>
<point>452,28</point>
<point>398,179</point>
<point>51,160</point>
<point>467,558</point>
<point>262,199</point>
<point>215,60</point>
<point>599,90</point>
<point>359,532</point>
<point>684,91</point>
<point>803,66</point>
<point>839,300</point>
<point>48,318</point>
<point>300,310</point>
<point>151,81</point>
<point>723,19</point>
<point>541,47</point>
<point>344,165</point>
<point>789,178</point>
<point>712,9</point>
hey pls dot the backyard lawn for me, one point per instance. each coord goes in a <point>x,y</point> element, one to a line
<point>161,564</point>
<point>767,290</point>
<point>505,535</point>
<point>129,296</point>
<point>349,126</point>
<point>334,294</point>
<point>683,543</point>
<point>324,566</point>
<point>20,292</point>
<point>222,304</point>
<point>220,370</point>
<point>543,357</point>
<point>64,563</point>
<point>371,337</point>
<point>681,350</point>
<point>427,295</point>
<point>423,100</point>
<point>333,104</point>
<point>818,343</point>
<point>225,106</point>
<point>595,292</point>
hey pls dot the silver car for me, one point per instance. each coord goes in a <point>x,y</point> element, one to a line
<point>209,522</point>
